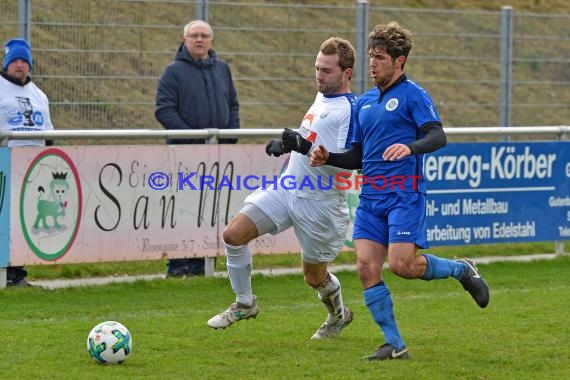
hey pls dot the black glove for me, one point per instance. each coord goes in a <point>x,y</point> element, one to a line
<point>275,147</point>
<point>294,141</point>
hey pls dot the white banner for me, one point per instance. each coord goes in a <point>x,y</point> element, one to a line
<point>133,202</point>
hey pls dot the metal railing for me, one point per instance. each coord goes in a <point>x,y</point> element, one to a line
<point>561,132</point>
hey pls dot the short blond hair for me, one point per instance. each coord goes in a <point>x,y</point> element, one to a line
<point>342,48</point>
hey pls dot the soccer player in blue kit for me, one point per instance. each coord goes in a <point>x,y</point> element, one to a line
<point>397,123</point>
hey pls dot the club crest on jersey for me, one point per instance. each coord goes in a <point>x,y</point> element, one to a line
<point>392,104</point>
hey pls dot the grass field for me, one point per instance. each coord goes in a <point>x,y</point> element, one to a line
<point>132,268</point>
<point>522,334</point>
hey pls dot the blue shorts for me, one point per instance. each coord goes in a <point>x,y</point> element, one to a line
<point>392,218</point>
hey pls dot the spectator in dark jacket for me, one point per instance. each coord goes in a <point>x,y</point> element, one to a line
<point>196,91</point>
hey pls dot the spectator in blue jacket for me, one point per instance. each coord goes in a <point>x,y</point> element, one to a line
<point>196,91</point>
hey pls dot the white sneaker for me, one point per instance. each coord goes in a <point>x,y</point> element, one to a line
<point>333,330</point>
<point>236,312</point>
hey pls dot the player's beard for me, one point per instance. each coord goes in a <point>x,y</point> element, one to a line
<point>330,87</point>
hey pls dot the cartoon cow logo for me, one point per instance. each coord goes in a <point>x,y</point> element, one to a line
<point>55,205</point>
<point>51,204</point>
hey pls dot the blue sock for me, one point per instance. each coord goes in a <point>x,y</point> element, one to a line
<point>379,303</point>
<point>437,268</point>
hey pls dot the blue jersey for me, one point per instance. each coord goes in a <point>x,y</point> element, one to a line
<point>385,118</point>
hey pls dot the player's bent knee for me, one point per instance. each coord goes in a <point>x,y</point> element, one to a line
<point>236,235</point>
<point>230,236</point>
<point>313,281</point>
<point>401,270</point>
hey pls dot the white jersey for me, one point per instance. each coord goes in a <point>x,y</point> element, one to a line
<point>318,214</point>
<point>329,122</point>
<point>23,108</point>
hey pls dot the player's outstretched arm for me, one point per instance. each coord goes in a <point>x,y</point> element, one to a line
<point>351,159</point>
<point>319,156</point>
<point>275,148</point>
<point>290,141</point>
<point>293,140</point>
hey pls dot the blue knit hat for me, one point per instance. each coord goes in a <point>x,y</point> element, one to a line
<point>17,48</point>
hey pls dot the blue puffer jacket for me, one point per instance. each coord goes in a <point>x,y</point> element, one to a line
<point>197,94</point>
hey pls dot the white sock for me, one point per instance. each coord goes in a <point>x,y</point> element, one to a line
<point>330,294</point>
<point>238,263</point>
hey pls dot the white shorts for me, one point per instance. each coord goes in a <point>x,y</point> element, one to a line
<point>320,225</point>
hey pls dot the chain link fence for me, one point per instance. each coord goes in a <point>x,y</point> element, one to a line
<point>99,61</point>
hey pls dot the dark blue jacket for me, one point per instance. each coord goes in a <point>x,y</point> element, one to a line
<point>197,94</point>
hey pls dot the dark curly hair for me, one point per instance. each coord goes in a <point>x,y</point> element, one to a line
<point>392,38</point>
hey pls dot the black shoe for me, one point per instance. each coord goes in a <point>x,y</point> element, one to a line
<point>387,351</point>
<point>180,272</point>
<point>185,267</point>
<point>16,276</point>
<point>474,283</point>
<point>22,283</point>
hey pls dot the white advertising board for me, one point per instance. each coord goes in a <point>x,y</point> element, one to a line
<point>133,202</point>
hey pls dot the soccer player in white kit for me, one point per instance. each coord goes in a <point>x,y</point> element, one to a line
<point>317,213</point>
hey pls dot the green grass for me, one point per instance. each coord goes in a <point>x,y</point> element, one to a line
<point>132,268</point>
<point>522,334</point>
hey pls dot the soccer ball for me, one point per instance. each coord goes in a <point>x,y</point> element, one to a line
<point>109,343</point>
